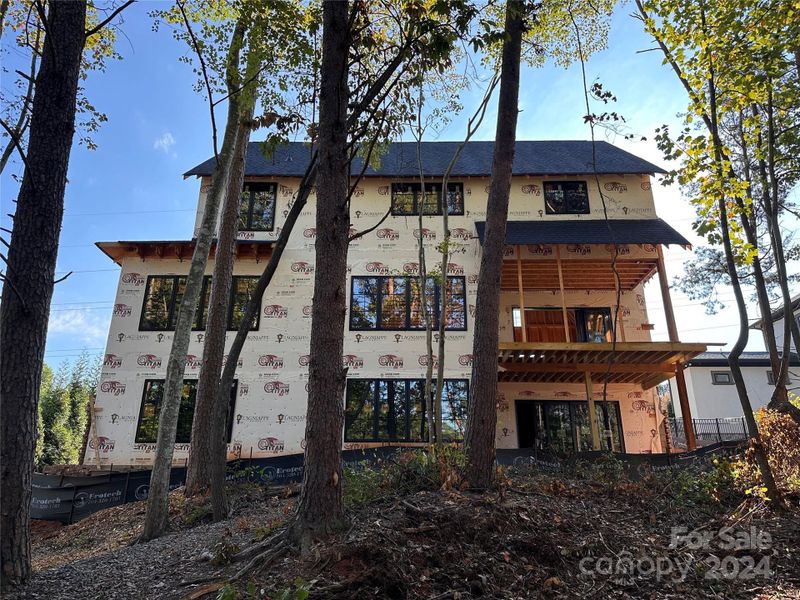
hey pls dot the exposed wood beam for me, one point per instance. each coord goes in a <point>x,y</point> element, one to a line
<point>564,315</point>
<point>521,296</point>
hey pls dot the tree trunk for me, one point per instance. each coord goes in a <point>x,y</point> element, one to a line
<point>156,519</point>
<point>320,507</point>
<point>744,324</point>
<point>29,277</point>
<point>210,419</point>
<point>482,419</point>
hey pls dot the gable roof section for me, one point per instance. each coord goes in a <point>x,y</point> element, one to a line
<point>777,314</point>
<point>569,157</point>
<point>586,231</point>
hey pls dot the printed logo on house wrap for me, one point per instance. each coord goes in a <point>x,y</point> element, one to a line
<point>411,268</point>
<point>112,361</point>
<point>459,233</point>
<point>276,311</point>
<point>390,360</point>
<point>307,309</point>
<point>276,387</point>
<point>149,361</point>
<point>134,279</point>
<point>103,444</point>
<point>387,233</point>
<point>271,361</point>
<point>351,361</point>
<point>424,234</point>
<point>270,444</point>
<point>465,360</point>
<point>122,310</point>
<point>311,232</point>
<point>423,360</point>
<point>302,267</point>
<point>377,267</point>
<point>454,269</point>
<point>115,388</point>
<point>193,361</point>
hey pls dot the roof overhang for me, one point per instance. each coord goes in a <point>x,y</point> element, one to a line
<point>643,363</point>
<point>179,249</point>
<point>589,231</point>
<point>577,274</point>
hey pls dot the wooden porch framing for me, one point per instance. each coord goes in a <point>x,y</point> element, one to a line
<point>642,363</point>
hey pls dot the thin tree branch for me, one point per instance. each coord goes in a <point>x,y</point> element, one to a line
<point>99,26</point>
<point>60,279</point>
<point>204,70</point>
<point>22,155</point>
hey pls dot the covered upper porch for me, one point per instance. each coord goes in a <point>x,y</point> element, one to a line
<point>587,344</point>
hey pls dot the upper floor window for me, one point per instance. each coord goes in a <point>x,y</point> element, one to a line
<point>257,207</point>
<point>147,428</point>
<point>164,293</point>
<point>771,379</point>
<point>394,410</point>
<point>395,303</point>
<point>566,198</point>
<point>408,199</point>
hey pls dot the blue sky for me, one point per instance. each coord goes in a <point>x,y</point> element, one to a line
<point>131,186</point>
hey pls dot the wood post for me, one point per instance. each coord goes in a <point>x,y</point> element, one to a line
<point>563,297</point>
<point>672,328</point>
<point>619,333</point>
<point>521,295</point>
<point>592,412</point>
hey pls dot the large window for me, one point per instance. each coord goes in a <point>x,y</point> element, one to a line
<point>395,303</point>
<point>408,199</point>
<point>566,197</point>
<point>565,426</point>
<point>394,410</point>
<point>147,429</point>
<point>257,207</point>
<point>547,325</point>
<point>164,293</point>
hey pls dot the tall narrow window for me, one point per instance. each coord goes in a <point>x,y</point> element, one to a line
<point>395,303</point>
<point>147,428</point>
<point>242,290</point>
<point>257,207</point>
<point>408,199</point>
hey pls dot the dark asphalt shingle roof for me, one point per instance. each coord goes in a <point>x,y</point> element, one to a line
<point>572,157</point>
<point>748,359</point>
<point>585,231</point>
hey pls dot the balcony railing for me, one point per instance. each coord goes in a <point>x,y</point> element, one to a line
<point>709,431</point>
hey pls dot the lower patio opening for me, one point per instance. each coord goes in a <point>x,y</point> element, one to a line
<point>564,427</point>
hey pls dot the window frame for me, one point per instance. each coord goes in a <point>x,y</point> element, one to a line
<point>249,192</point>
<point>231,409</point>
<point>406,381</point>
<point>417,188</point>
<point>547,209</point>
<point>716,374</point>
<point>408,304</point>
<point>202,307</point>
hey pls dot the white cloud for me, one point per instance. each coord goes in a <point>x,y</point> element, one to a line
<point>164,142</point>
<point>81,323</point>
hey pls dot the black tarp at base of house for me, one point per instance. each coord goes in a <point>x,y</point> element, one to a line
<point>69,499</point>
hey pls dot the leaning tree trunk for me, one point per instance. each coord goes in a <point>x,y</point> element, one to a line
<point>320,508</point>
<point>29,277</point>
<point>482,418</point>
<point>208,418</point>
<point>744,324</point>
<point>156,519</point>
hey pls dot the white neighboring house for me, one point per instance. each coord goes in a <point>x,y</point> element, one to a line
<point>778,320</point>
<point>712,392</point>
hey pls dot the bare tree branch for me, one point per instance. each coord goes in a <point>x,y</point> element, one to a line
<point>101,24</point>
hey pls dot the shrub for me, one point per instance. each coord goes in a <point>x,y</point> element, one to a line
<point>779,434</point>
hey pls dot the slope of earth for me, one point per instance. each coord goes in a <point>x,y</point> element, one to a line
<point>537,537</point>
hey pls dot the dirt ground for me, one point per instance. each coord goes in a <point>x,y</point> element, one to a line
<point>537,537</point>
